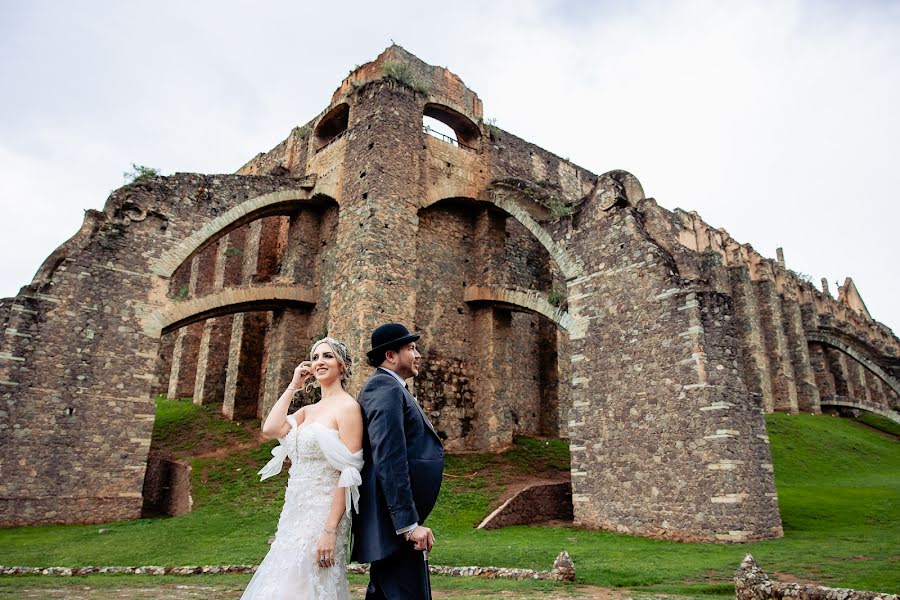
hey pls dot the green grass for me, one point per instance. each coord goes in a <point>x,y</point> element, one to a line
<point>879,422</point>
<point>458,588</point>
<point>838,484</point>
<point>186,429</point>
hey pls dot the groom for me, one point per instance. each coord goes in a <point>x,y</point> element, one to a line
<point>404,462</point>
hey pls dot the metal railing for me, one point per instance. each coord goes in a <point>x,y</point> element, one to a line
<point>332,140</point>
<point>446,138</point>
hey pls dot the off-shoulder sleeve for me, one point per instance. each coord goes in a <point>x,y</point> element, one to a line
<point>279,453</point>
<point>348,463</point>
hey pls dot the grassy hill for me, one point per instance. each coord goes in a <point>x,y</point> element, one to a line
<point>838,485</point>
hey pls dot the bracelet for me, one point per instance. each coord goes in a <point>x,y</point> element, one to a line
<point>408,534</point>
<point>293,389</point>
<point>329,530</point>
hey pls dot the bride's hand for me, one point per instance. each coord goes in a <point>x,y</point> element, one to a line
<point>325,549</point>
<point>301,374</point>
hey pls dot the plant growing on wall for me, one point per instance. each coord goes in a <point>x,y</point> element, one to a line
<point>401,73</point>
<point>556,298</point>
<point>557,208</point>
<point>139,173</point>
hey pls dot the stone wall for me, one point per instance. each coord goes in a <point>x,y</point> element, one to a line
<point>786,325</point>
<point>664,434</point>
<point>536,503</point>
<point>79,369</point>
<point>551,301</point>
<point>167,486</point>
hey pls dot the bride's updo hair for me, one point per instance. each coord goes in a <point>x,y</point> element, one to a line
<point>341,353</point>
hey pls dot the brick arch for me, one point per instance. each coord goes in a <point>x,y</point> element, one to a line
<point>275,203</point>
<point>855,351</point>
<point>568,264</point>
<point>528,301</point>
<point>871,407</point>
<point>226,302</point>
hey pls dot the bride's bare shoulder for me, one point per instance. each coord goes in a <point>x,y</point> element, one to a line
<point>300,415</point>
<point>349,407</point>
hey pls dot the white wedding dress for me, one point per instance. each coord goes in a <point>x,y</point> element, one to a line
<point>319,462</point>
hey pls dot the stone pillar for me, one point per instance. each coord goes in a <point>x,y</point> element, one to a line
<point>754,366</point>
<point>548,359</point>
<point>837,364</point>
<point>876,391</point>
<point>798,350</point>
<point>859,376</point>
<point>186,350</point>
<point>492,426</point>
<point>270,240</point>
<point>822,371</point>
<point>287,347</point>
<point>564,387</point>
<point>303,244</point>
<point>784,390</point>
<point>243,375</point>
<point>184,361</point>
<point>212,363</point>
<point>489,244</point>
<point>164,363</point>
<point>245,353</point>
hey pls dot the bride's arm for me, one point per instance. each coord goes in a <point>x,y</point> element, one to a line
<point>350,429</point>
<point>276,424</point>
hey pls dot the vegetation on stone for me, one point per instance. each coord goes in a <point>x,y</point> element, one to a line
<point>402,73</point>
<point>139,173</point>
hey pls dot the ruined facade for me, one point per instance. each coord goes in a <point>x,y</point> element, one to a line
<point>551,302</point>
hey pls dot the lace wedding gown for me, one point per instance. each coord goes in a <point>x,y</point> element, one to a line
<point>319,463</point>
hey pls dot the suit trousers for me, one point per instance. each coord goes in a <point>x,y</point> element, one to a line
<point>400,576</point>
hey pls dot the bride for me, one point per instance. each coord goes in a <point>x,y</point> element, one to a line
<point>308,558</point>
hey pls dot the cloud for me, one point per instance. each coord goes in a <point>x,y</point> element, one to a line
<point>774,120</point>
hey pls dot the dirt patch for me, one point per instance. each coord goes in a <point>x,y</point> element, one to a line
<point>791,578</point>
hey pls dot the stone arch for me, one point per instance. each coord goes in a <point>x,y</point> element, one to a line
<point>496,351</point>
<point>528,301</point>
<point>568,264</point>
<point>226,302</point>
<point>844,402</point>
<point>855,351</point>
<point>230,331</point>
<point>275,203</point>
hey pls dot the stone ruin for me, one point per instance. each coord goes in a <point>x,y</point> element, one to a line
<point>752,583</point>
<point>552,302</point>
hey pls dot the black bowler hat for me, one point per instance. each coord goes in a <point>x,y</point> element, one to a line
<point>389,336</point>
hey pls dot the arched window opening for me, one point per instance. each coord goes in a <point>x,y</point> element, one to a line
<point>450,126</point>
<point>332,126</point>
<point>441,131</point>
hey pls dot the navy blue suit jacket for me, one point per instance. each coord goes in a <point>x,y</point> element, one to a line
<point>404,463</point>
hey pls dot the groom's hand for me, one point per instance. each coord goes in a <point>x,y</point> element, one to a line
<point>422,537</point>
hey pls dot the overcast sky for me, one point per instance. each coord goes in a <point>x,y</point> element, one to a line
<point>777,121</point>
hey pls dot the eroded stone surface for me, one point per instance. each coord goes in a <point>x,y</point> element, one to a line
<point>551,301</point>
